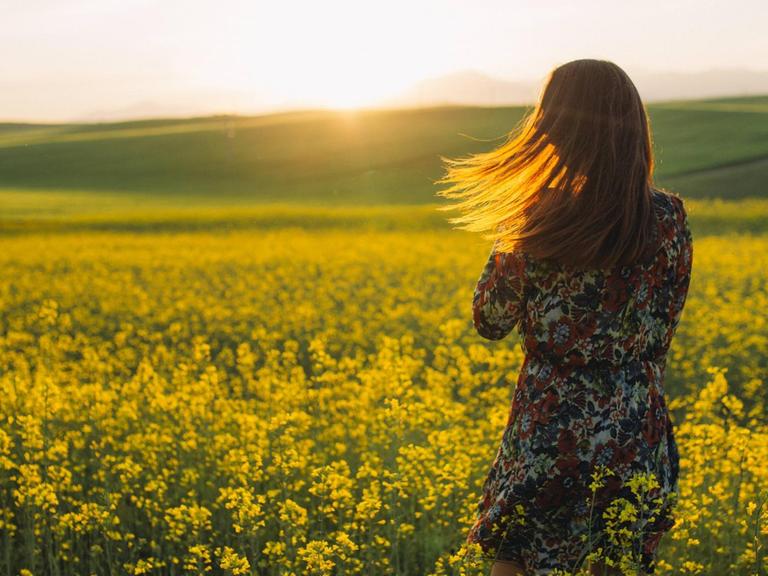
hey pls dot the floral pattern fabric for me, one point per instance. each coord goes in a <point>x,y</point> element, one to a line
<point>590,392</point>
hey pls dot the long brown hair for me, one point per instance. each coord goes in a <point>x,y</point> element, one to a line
<point>574,182</point>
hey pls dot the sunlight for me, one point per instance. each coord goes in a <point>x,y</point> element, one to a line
<point>350,95</point>
<point>336,65</point>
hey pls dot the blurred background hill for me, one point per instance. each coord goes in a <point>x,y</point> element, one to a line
<point>711,148</point>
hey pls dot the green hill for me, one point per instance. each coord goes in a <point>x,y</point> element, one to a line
<point>706,148</point>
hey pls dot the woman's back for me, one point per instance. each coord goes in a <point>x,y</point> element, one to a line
<point>589,393</point>
<point>611,316</point>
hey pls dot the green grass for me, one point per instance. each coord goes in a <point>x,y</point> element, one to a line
<point>705,149</point>
<point>708,217</point>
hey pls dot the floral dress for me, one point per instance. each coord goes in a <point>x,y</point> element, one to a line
<point>590,393</point>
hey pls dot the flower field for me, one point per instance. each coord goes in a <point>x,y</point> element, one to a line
<point>303,393</point>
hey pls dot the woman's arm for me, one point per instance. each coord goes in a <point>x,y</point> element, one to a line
<point>682,268</point>
<point>498,302</point>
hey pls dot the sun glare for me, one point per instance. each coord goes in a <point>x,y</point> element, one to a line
<point>351,95</point>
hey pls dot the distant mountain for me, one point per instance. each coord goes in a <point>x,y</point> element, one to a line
<point>474,88</point>
<point>139,110</point>
<point>180,105</point>
<point>467,87</point>
<point>656,86</point>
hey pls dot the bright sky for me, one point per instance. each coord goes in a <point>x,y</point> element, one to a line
<point>65,59</point>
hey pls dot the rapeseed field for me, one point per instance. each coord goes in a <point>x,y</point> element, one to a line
<point>221,396</point>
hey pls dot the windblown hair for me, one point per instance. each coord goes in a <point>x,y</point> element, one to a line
<point>573,182</point>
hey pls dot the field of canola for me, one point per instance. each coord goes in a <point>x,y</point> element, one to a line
<point>311,397</point>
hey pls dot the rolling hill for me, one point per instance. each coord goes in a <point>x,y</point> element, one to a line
<point>715,148</point>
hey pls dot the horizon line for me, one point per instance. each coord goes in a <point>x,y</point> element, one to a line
<point>340,110</point>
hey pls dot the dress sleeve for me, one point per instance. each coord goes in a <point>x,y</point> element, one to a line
<point>498,302</point>
<point>682,267</point>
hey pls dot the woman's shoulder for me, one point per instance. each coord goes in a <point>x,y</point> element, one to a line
<point>672,227</point>
<point>670,204</point>
<point>676,232</point>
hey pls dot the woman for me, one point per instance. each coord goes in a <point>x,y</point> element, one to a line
<point>592,265</point>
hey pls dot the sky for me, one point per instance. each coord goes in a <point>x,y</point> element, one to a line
<point>73,59</point>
